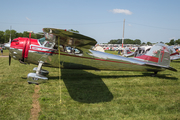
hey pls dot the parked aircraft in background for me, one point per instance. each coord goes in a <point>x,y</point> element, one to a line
<point>144,49</point>
<point>76,53</point>
<point>127,52</point>
<point>141,50</point>
<point>174,54</point>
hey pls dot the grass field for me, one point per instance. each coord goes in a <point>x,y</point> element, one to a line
<point>87,94</point>
<point>5,53</point>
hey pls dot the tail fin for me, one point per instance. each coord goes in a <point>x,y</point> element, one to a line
<point>159,54</point>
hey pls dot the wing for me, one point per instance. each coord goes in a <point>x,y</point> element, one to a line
<point>68,38</point>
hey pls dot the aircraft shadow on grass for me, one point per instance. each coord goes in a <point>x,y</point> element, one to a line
<point>176,61</point>
<point>86,87</point>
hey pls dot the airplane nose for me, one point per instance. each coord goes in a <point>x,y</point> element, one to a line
<point>19,48</point>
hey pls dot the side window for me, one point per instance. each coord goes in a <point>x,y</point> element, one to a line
<point>48,44</point>
<point>72,50</point>
<point>68,49</point>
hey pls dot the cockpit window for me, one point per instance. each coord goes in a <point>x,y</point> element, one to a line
<point>72,50</point>
<point>42,40</point>
<point>48,44</point>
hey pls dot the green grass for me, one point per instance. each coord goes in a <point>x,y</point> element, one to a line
<point>15,93</point>
<point>5,52</point>
<point>88,94</point>
<point>112,52</point>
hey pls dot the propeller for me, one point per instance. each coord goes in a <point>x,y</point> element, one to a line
<point>9,60</point>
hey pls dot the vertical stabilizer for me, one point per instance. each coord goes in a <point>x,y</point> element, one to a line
<point>158,54</point>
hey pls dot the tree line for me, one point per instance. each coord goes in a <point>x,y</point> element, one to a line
<point>138,42</point>
<point>126,41</point>
<point>5,35</point>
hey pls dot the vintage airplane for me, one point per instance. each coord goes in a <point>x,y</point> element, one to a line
<point>141,50</point>
<point>127,52</point>
<point>174,55</point>
<point>68,50</point>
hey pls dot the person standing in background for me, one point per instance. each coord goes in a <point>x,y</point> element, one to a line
<point>1,51</point>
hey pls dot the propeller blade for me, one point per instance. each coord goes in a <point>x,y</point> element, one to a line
<point>9,60</point>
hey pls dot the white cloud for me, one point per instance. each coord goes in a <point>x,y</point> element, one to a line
<point>123,11</point>
<point>28,19</point>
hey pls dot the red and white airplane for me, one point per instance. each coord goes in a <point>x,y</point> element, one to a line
<point>127,52</point>
<point>68,50</point>
<point>174,55</point>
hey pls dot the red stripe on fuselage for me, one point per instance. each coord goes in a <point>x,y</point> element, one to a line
<point>149,58</point>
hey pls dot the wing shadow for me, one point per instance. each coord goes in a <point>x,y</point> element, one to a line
<point>176,61</point>
<point>85,87</point>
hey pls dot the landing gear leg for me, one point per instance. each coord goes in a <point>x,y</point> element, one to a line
<point>36,78</point>
<point>155,73</point>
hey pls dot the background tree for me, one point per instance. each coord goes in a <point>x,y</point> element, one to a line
<point>113,42</point>
<point>126,41</point>
<point>177,41</point>
<point>2,37</point>
<point>143,43</point>
<point>162,42</point>
<point>167,43</point>
<point>149,43</point>
<point>25,34</point>
<point>137,41</point>
<point>19,35</point>
<point>172,42</point>
<point>9,33</point>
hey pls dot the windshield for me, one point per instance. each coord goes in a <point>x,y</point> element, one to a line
<point>42,40</point>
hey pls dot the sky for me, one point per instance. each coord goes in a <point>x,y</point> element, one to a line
<point>148,20</point>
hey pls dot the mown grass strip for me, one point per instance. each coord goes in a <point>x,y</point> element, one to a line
<point>35,105</point>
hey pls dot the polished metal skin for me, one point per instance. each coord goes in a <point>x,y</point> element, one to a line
<point>76,53</point>
<point>89,59</point>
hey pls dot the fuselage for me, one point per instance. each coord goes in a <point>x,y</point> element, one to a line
<point>72,57</point>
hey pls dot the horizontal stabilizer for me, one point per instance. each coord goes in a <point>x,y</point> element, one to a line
<point>161,66</point>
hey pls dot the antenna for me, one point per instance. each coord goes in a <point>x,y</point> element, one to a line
<point>123,33</point>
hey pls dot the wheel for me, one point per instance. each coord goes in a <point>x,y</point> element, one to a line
<point>29,82</point>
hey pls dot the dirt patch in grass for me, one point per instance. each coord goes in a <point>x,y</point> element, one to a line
<point>35,106</point>
<point>4,56</point>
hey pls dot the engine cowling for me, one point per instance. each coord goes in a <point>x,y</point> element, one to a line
<point>20,46</point>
